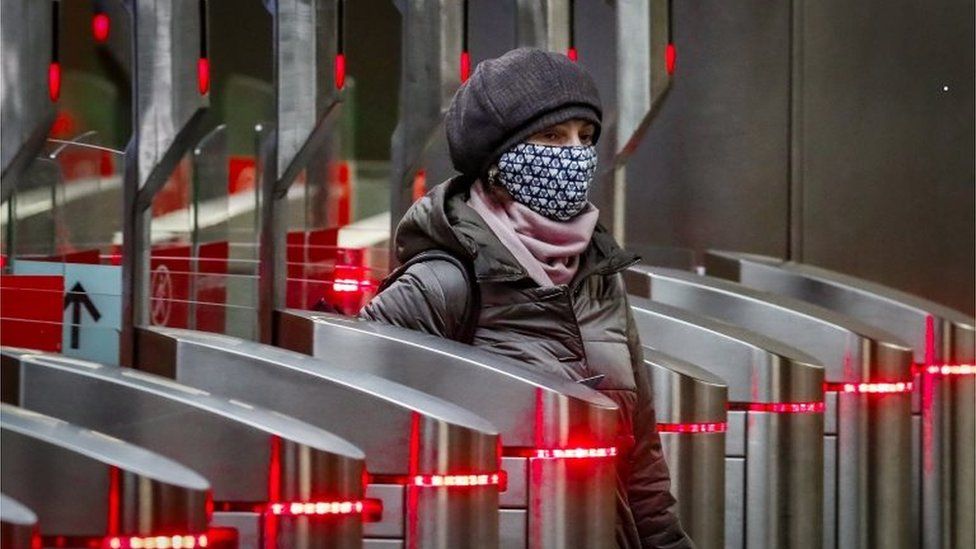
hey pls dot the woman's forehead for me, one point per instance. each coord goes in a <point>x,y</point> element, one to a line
<point>573,122</point>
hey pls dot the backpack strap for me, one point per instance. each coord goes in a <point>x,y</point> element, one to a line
<point>473,308</point>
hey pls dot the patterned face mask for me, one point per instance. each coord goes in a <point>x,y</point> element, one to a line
<point>550,180</point>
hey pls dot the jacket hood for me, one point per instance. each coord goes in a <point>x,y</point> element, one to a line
<point>442,220</point>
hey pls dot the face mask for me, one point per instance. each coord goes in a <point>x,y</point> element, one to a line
<point>550,180</point>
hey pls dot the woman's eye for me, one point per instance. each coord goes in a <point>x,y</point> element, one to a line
<point>586,139</point>
<point>551,136</point>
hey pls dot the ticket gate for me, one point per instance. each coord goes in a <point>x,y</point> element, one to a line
<point>774,489</point>
<point>944,344</point>
<point>433,465</point>
<point>89,489</point>
<point>690,403</point>
<point>867,397</point>
<point>555,498</point>
<point>18,525</point>
<point>277,481</point>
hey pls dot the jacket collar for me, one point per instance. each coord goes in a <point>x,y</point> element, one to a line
<point>491,259</point>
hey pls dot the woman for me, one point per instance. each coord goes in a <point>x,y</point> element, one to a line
<point>549,293</point>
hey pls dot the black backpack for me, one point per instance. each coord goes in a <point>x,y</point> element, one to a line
<point>472,311</point>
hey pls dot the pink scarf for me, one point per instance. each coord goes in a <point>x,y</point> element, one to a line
<point>549,250</point>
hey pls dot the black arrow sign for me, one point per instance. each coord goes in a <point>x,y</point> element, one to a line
<point>79,298</point>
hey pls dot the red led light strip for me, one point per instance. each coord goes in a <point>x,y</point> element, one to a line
<point>155,542</point>
<point>870,388</point>
<point>317,508</point>
<point>716,427</point>
<point>574,453</point>
<point>436,481</point>
<point>370,509</point>
<point>949,369</point>
<point>779,407</point>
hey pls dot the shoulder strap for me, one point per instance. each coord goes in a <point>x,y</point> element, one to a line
<point>473,309</point>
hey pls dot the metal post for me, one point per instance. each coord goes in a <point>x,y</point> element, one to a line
<point>544,24</point>
<point>167,115</point>
<point>305,46</point>
<point>429,75</point>
<point>643,82</point>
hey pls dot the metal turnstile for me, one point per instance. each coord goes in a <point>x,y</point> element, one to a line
<point>89,489</point>
<point>944,343</point>
<point>690,403</point>
<point>557,434</point>
<point>277,481</point>
<point>867,397</point>
<point>18,525</point>
<point>774,485</point>
<point>433,465</point>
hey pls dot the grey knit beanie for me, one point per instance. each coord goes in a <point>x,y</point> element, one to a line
<point>510,98</point>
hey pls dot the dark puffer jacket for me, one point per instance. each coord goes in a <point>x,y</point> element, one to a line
<point>577,331</point>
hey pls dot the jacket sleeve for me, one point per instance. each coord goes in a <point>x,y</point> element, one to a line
<point>649,485</point>
<point>430,297</point>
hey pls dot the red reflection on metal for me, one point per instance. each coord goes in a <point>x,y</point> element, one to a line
<point>670,58</point>
<point>413,492</point>
<point>871,388</point>
<point>156,542</point>
<point>779,407</point>
<point>340,70</point>
<point>465,66</point>
<point>203,75</point>
<point>274,493</point>
<point>114,501</point>
<point>715,427</point>
<point>54,80</point>
<point>572,54</point>
<point>101,26</point>
<point>479,479</point>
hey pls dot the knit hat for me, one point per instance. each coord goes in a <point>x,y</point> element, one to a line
<point>510,98</point>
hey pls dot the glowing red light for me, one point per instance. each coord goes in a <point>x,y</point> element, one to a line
<point>340,71</point>
<point>951,369</point>
<point>572,55</point>
<point>780,407</point>
<point>319,508</point>
<point>155,542</point>
<point>574,453</point>
<point>54,80</point>
<point>101,25</point>
<point>670,58</point>
<point>480,479</point>
<point>465,66</point>
<point>203,75</point>
<point>870,388</point>
<point>717,427</point>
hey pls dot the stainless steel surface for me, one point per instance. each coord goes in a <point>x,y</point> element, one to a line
<point>431,38</point>
<point>873,485</point>
<point>642,29</point>
<point>687,394</point>
<point>513,529</point>
<point>543,24</point>
<point>713,168</point>
<point>305,96</point>
<point>64,473</point>
<point>402,431</point>
<point>250,455</point>
<point>167,115</point>
<point>25,107</point>
<point>531,410</point>
<point>776,500</point>
<point>18,524</point>
<point>938,336</point>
